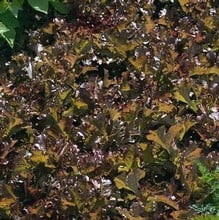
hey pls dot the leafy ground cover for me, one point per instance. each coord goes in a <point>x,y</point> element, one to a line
<point>112,113</point>
<point>13,15</point>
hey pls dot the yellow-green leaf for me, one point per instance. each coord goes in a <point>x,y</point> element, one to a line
<point>158,136</point>
<point>185,127</point>
<point>138,63</point>
<point>68,112</point>
<point>86,69</point>
<point>14,122</point>
<point>80,104</point>
<point>166,107</point>
<point>9,190</point>
<point>66,203</point>
<point>165,139</point>
<point>63,95</point>
<point>183,94</point>
<point>179,96</point>
<point>147,153</point>
<point>183,4</point>
<point>205,71</point>
<point>128,160</point>
<point>6,202</point>
<point>149,25</point>
<point>47,89</point>
<point>120,183</point>
<point>53,111</point>
<point>130,181</point>
<point>77,198</point>
<point>71,59</point>
<point>125,87</point>
<point>121,47</point>
<point>106,81</point>
<point>172,133</point>
<point>84,46</point>
<point>114,114</point>
<point>192,156</point>
<point>210,22</point>
<point>38,157</point>
<point>21,166</point>
<point>139,174</point>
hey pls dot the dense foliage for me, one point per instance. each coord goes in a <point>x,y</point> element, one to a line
<point>112,113</point>
<point>12,15</point>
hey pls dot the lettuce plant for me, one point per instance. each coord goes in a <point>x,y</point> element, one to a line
<point>209,180</point>
<point>9,19</point>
